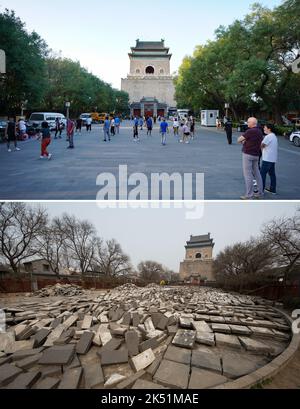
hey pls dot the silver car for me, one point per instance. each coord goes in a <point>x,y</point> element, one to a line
<point>295,138</point>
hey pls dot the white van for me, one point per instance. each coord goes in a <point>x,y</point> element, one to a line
<point>37,118</point>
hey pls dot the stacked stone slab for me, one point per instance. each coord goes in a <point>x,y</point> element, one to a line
<point>133,337</point>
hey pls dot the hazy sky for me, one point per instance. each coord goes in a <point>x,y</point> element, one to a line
<point>161,234</point>
<point>99,33</point>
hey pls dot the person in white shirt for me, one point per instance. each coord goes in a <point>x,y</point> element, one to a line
<point>22,127</point>
<point>269,158</point>
<point>176,126</point>
<point>88,123</point>
<point>185,133</point>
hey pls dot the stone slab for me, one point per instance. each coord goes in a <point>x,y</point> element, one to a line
<point>143,360</point>
<point>93,376</point>
<point>8,373</point>
<point>230,341</point>
<point>205,360</point>
<point>112,345</point>
<point>205,338</point>
<point>186,323</point>
<point>254,346</point>
<point>180,355</point>
<point>142,384</point>
<point>41,336</point>
<point>104,334</point>
<point>87,322</point>
<point>163,322</point>
<point>173,375</point>
<point>262,332</point>
<point>150,343</point>
<point>128,382</point>
<point>25,380</point>
<point>132,343</point>
<point>28,362</point>
<point>48,383</point>
<point>54,335</point>
<point>235,366</point>
<point>85,342</point>
<point>71,379</point>
<point>185,339</point>
<point>202,379</point>
<point>151,370</point>
<point>201,326</point>
<point>58,355</point>
<point>113,380</point>
<point>114,357</point>
<point>240,330</point>
<point>221,328</point>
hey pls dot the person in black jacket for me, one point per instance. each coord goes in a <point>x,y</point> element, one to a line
<point>228,129</point>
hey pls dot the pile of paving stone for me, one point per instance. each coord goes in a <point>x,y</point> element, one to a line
<point>138,338</point>
<point>127,287</point>
<point>66,290</point>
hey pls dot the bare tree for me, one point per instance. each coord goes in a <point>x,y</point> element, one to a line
<point>20,227</point>
<point>151,271</point>
<point>244,263</point>
<point>283,235</point>
<point>80,241</point>
<point>53,245</point>
<point>111,259</point>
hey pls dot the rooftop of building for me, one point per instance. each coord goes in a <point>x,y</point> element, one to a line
<point>200,241</point>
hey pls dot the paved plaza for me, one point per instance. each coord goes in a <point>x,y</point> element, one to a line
<point>72,174</point>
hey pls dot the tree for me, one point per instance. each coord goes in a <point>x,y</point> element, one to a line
<point>52,245</point>
<point>20,228</point>
<point>283,235</point>
<point>80,241</point>
<point>244,263</point>
<point>26,54</point>
<point>150,271</point>
<point>111,260</point>
<point>247,65</point>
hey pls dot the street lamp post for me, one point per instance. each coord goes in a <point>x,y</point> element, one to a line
<point>68,104</point>
<point>227,109</point>
<point>23,107</point>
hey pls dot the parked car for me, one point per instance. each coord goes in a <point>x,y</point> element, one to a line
<point>84,117</point>
<point>242,126</point>
<point>37,118</point>
<point>2,129</point>
<point>295,138</point>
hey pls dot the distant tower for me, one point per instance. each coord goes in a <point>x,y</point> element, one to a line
<point>197,266</point>
<point>150,84</point>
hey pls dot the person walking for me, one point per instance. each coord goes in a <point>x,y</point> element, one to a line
<point>149,123</point>
<point>45,136</point>
<point>22,129</point>
<point>106,129</point>
<point>185,133</point>
<point>251,141</point>
<point>117,124</point>
<point>70,133</point>
<point>164,128</point>
<point>89,124</point>
<point>176,126</point>
<point>78,125</point>
<point>269,158</point>
<point>11,134</point>
<point>113,127</point>
<point>141,123</point>
<point>136,129</point>
<point>228,129</point>
<point>58,128</point>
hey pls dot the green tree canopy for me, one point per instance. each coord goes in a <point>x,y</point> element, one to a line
<point>248,65</point>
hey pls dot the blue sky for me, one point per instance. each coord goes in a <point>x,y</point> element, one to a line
<point>99,33</point>
<point>160,234</point>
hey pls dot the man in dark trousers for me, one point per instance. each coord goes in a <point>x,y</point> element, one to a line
<point>228,129</point>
